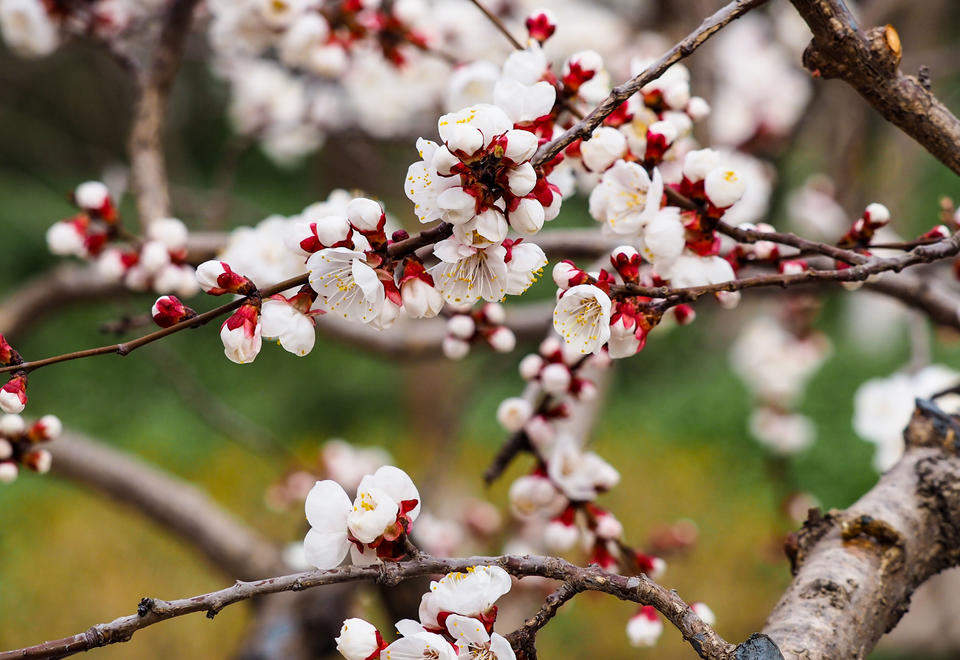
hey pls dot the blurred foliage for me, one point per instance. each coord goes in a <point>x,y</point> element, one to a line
<point>675,422</point>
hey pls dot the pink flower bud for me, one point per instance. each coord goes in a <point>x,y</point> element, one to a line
<point>455,349</point>
<point>168,311</point>
<point>94,197</point>
<point>494,313</point>
<point>365,214</point>
<point>46,428</point>
<point>724,187</point>
<point>461,326</point>
<point>579,68</point>
<point>555,378</point>
<point>530,366</point>
<point>513,413</point>
<point>502,339</point>
<point>877,215</point>
<point>38,460</point>
<point>541,24</point>
<point>217,278</point>
<point>241,334</point>
<point>13,395</point>
<point>6,449</point>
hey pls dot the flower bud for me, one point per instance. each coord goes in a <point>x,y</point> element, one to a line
<point>559,536</point>
<point>704,612</point>
<point>48,427</point>
<point>461,326</point>
<point>645,627</point>
<point>684,314</point>
<point>566,275</point>
<point>530,366</point>
<point>494,313</point>
<point>555,378</point>
<point>660,136</point>
<point>455,349</point>
<point>541,24</point>
<point>154,255</point>
<point>793,267</point>
<point>607,526</point>
<point>579,68</point>
<point>6,449</point>
<point>697,164</point>
<point>420,300</point>
<point>698,108</point>
<point>7,352</point>
<point>728,299</point>
<point>528,216</point>
<point>358,640</point>
<point>877,215</point>
<point>241,335</point>
<point>502,339</point>
<point>38,460</point>
<point>603,149</point>
<point>443,161</point>
<point>521,145</point>
<point>12,425</point>
<point>169,231</point>
<point>65,238</point>
<point>110,265</point>
<point>13,395</point>
<point>217,278</point>
<point>458,205</point>
<point>513,413</point>
<point>724,187</point>
<point>522,179</point>
<point>94,197</point>
<point>8,472</point>
<point>365,214</point>
<point>168,311</point>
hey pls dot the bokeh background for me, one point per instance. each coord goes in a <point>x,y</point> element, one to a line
<point>674,423</point>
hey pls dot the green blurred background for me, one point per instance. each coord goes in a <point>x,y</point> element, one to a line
<point>674,423</point>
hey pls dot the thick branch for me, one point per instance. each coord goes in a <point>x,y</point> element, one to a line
<point>638,589</point>
<point>231,546</point>
<point>856,569</point>
<point>868,62</point>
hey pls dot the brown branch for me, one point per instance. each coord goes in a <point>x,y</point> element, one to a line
<point>523,640</point>
<point>176,505</point>
<point>638,589</point>
<point>856,569</point>
<point>148,175</point>
<point>873,266</point>
<point>583,129</point>
<point>786,238</point>
<point>868,61</point>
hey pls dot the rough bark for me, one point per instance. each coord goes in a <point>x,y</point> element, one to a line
<point>856,570</point>
<point>869,62</point>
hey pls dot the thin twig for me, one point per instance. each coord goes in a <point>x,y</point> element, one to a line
<point>499,24</point>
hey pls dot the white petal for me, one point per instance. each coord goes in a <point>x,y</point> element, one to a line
<point>325,550</point>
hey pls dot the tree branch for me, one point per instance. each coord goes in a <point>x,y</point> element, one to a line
<point>584,128</point>
<point>638,589</point>
<point>148,173</point>
<point>868,62</point>
<point>856,569</point>
<point>524,639</point>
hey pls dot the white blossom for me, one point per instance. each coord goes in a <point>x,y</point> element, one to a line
<point>582,318</point>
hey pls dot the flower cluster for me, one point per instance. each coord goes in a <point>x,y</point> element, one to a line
<point>19,444</point>
<point>882,407</point>
<point>372,528</point>
<point>156,261</point>
<point>484,323</point>
<point>590,315</point>
<point>456,622</point>
<point>36,28</point>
